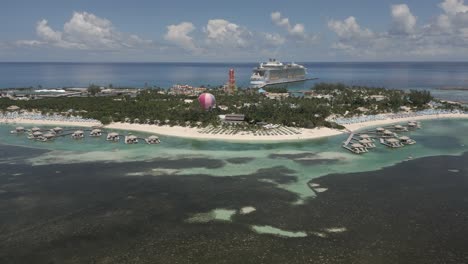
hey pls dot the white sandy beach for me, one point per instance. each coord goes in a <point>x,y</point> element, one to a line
<point>187,132</point>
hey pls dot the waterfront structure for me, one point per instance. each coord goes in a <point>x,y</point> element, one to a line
<point>234,118</point>
<point>57,130</point>
<point>18,130</point>
<point>391,142</point>
<point>275,72</point>
<point>35,129</point>
<point>47,137</point>
<point>95,133</point>
<point>35,135</point>
<point>131,139</point>
<point>79,134</point>
<point>153,140</point>
<point>407,141</point>
<point>113,137</point>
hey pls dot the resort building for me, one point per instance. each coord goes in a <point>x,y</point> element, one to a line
<point>234,118</point>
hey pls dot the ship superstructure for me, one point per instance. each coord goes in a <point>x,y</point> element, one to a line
<point>275,72</point>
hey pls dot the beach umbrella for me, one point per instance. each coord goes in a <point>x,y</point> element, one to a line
<point>207,101</point>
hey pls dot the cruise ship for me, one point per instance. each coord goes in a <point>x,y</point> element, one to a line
<point>275,72</point>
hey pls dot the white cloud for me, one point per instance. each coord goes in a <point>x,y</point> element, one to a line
<point>447,35</point>
<point>297,30</point>
<point>453,7</point>
<point>222,33</point>
<point>179,35</point>
<point>404,22</point>
<point>84,31</point>
<point>274,39</point>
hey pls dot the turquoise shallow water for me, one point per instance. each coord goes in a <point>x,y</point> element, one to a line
<point>303,160</point>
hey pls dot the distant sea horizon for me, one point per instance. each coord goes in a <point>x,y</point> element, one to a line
<point>391,74</point>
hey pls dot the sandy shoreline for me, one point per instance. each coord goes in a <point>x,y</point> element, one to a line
<point>187,132</point>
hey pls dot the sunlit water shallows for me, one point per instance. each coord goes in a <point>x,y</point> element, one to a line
<point>302,161</point>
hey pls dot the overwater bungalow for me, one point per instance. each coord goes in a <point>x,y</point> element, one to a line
<point>414,124</point>
<point>400,128</point>
<point>356,148</point>
<point>153,140</point>
<point>367,143</point>
<point>366,136</point>
<point>18,130</point>
<point>57,130</point>
<point>47,137</point>
<point>388,133</point>
<point>35,135</point>
<point>113,137</point>
<point>131,139</point>
<point>391,142</point>
<point>380,130</point>
<point>79,134</point>
<point>95,133</point>
<point>35,129</point>
<point>407,141</point>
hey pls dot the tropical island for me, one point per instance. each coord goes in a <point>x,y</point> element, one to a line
<point>260,114</point>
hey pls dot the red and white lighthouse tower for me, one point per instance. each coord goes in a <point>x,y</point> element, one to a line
<point>231,85</point>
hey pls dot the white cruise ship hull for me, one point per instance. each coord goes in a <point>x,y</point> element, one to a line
<point>275,72</point>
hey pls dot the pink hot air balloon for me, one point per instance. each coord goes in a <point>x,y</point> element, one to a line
<point>207,101</point>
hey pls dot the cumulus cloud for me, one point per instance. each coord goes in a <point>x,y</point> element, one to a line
<point>179,35</point>
<point>297,30</point>
<point>84,31</point>
<point>445,35</point>
<point>222,33</point>
<point>404,22</point>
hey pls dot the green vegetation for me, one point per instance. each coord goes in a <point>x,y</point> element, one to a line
<point>156,106</point>
<point>276,89</point>
<point>94,89</point>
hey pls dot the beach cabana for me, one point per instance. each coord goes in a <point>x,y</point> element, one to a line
<point>78,134</point>
<point>113,137</point>
<point>131,139</point>
<point>18,130</point>
<point>153,140</point>
<point>136,121</point>
<point>95,133</point>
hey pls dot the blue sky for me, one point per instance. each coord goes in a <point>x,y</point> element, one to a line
<point>332,30</point>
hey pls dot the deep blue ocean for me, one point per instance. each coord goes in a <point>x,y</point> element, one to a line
<point>400,75</point>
